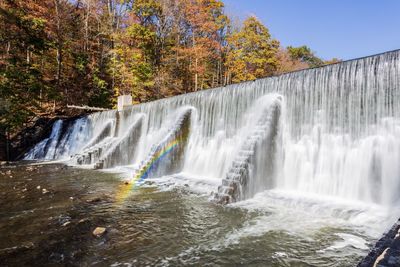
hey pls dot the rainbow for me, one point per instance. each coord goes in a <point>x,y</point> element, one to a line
<point>144,172</point>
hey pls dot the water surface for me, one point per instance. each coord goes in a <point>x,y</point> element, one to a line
<point>48,213</point>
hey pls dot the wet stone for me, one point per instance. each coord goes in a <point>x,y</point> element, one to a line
<point>66,223</point>
<point>99,231</point>
<point>94,200</point>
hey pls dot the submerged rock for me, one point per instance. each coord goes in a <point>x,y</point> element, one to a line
<point>98,199</point>
<point>84,220</point>
<point>66,223</point>
<point>99,231</point>
<point>94,200</point>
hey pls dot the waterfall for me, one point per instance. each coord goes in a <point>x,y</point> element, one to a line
<point>254,167</point>
<point>338,132</point>
<point>45,149</point>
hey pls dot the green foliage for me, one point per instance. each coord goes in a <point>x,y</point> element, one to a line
<point>304,54</point>
<point>81,63</point>
<point>252,52</point>
<point>145,10</point>
<point>101,96</point>
<point>19,88</point>
<point>21,80</point>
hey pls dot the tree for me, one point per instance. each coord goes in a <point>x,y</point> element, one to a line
<point>252,52</point>
<point>304,54</point>
<point>24,40</point>
<point>288,63</point>
<point>200,45</point>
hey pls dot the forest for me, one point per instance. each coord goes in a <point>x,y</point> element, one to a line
<point>87,52</point>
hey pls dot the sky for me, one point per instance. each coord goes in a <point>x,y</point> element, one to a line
<point>343,29</point>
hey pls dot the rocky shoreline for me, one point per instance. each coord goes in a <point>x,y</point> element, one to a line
<point>386,252</point>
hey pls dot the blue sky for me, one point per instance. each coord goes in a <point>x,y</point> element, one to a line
<point>331,28</point>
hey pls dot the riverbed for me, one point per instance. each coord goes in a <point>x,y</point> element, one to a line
<point>49,211</point>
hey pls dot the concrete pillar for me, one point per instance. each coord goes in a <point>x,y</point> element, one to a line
<point>123,101</point>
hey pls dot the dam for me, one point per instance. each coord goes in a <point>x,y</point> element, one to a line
<point>323,140</point>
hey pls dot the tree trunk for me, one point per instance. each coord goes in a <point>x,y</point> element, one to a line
<point>8,144</point>
<point>195,63</point>
<point>86,43</point>
<point>59,56</point>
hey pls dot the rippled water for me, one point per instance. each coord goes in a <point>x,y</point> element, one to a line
<point>172,223</point>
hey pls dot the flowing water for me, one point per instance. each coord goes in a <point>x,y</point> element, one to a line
<point>312,155</point>
<point>167,224</point>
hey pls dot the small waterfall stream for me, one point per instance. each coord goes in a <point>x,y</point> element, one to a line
<point>338,133</point>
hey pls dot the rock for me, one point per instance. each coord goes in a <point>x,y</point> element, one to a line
<point>38,187</point>
<point>23,248</point>
<point>24,190</point>
<point>71,198</point>
<point>56,257</point>
<point>93,200</point>
<point>394,260</point>
<point>386,250</point>
<point>45,191</point>
<point>99,198</point>
<point>66,223</point>
<point>99,231</point>
<point>62,219</point>
<point>126,183</point>
<point>84,220</point>
<point>30,168</point>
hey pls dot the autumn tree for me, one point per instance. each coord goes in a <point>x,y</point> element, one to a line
<point>252,52</point>
<point>288,63</point>
<point>304,54</point>
<point>201,46</point>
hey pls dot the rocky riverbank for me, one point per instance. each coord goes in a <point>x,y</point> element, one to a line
<point>386,252</point>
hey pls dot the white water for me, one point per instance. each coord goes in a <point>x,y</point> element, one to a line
<point>339,130</point>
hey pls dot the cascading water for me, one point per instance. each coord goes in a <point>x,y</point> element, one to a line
<point>46,148</point>
<point>339,131</point>
<point>254,167</point>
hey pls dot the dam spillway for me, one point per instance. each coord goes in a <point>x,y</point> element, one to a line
<point>338,131</point>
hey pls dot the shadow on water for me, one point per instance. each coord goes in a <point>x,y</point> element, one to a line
<point>48,214</point>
